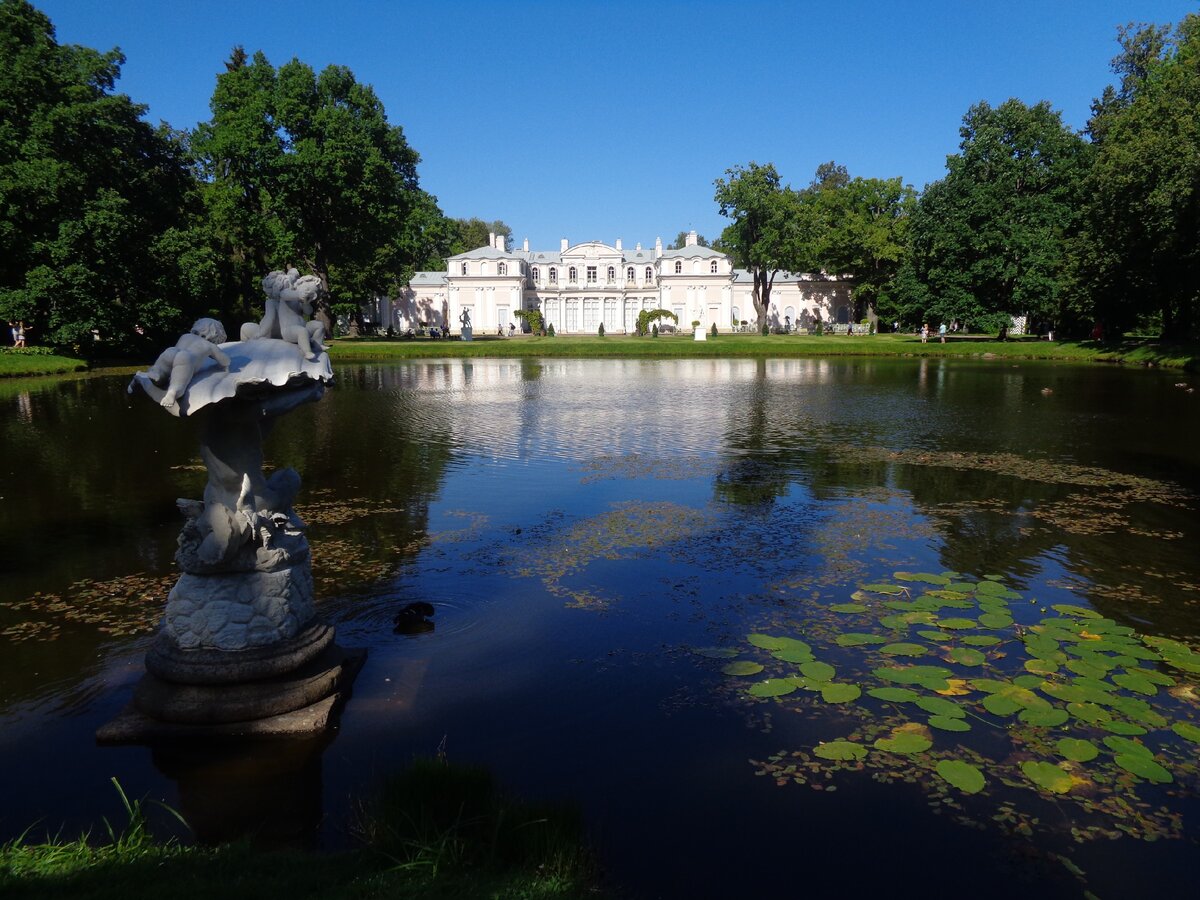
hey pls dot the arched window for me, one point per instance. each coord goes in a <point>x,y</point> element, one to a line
<point>612,275</point>
<point>464,268</point>
<point>502,269</point>
<point>483,268</point>
<point>678,267</point>
<point>713,267</point>
<point>572,275</point>
<point>553,275</point>
<point>629,274</point>
<point>649,274</point>
<point>537,276</point>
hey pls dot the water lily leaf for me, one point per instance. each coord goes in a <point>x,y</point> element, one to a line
<point>940,706</point>
<point>767,641</point>
<point>1136,683</point>
<point>1081,612</point>
<point>1138,710</point>
<point>773,687</point>
<point>990,685</point>
<point>1040,666</point>
<point>840,693</point>
<point>793,655</point>
<point>1032,682</point>
<point>947,595</point>
<point>962,775</point>
<point>936,635</point>
<point>1153,675</point>
<point>849,608</point>
<point>995,620</point>
<point>884,588</point>
<point>947,723</point>
<point>1187,731</point>
<point>994,577</point>
<point>741,667</point>
<point>904,742</point>
<point>925,577</point>
<point>1143,767</point>
<point>1044,718</point>
<point>1077,749</point>
<point>956,624</point>
<point>903,649</point>
<point>715,652</point>
<point>955,687</point>
<point>981,640</point>
<point>893,694</point>
<point>1118,727</point>
<point>818,671</point>
<point>1048,776</point>
<point>966,656</point>
<point>855,639</point>
<point>901,621</point>
<point>990,587</point>
<point>1000,705</point>
<point>1089,712</point>
<point>1118,744</point>
<point>912,674</point>
<point>1089,668</point>
<point>961,587</point>
<point>840,750</point>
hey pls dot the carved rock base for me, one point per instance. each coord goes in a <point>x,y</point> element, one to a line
<point>170,663</point>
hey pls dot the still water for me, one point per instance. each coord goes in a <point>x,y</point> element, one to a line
<point>600,540</point>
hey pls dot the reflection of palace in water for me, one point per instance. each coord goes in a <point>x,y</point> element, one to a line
<point>577,288</point>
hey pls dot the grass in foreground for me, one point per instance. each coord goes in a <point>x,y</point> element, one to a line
<point>32,361</point>
<point>436,831</point>
<point>1177,356</point>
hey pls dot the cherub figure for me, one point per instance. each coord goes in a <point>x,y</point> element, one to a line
<point>176,365</point>
<point>290,299</point>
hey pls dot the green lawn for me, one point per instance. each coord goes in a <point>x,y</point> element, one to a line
<point>1177,356</point>
<point>17,362</point>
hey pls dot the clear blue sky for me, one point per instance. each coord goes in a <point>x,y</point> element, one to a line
<point>595,120</point>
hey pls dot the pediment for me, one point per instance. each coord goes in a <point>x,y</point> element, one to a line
<point>590,250</point>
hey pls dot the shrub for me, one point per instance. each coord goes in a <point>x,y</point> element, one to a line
<point>600,330</point>
<point>654,333</point>
<point>714,329</point>
<point>819,328</point>
<point>764,329</point>
<point>550,330</point>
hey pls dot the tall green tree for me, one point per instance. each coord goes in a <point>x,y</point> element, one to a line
<point>681,241</point>
<point>473,234</point>
<point>772,228</point>
<point>1139,250</point>
<point>988,240</point>
<point>92,198</point>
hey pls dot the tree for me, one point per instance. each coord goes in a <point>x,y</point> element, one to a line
<point>306,169</point>
<point>773,228</point>
<point>681,241</point>
<point>988,240</point>
<point>865,234</point>
<point>1139,248</point>
<point>92,198</point>
<point>473,233</point>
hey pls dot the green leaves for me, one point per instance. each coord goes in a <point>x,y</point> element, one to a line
<point>742,667</point>
<point>904,742</point>
<point>962,775</point>
<point>1076,749</point>
<point>840,751</point>
<point>1048,776</point>
<point>773,687</point>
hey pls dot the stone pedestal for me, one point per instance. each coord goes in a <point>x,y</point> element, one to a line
<point>699,334</point>
<point>466,333</point>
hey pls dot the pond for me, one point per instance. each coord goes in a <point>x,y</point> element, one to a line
<point>774,625</point>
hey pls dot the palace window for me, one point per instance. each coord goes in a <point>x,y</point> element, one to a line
<point>572,275</point>
<point>649,274</point>
<point>464,268</point>
<point>502,269</point>
<point>591,274</point>
<point>713,267</point>
<point>553,275</point>
<point>678,267</point>
<point>537,276</point>
<point>612,275</point>
<point>629,274</point>
<point>483,268</point>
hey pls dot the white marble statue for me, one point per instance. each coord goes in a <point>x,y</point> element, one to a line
<point>290,298</point>
<point>176,365</point>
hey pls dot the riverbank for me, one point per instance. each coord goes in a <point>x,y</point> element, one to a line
<point>1130,352</point>
<point>16,363</point>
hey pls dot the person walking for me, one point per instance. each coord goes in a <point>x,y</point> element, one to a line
<point>942,332</point>
<point>925,333</point>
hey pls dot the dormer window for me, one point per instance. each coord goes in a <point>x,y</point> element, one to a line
<point>629,274</point>
<point>464,268</point>
<point>591,274</point>
<point>649,274</point>
<point>553,275</point>
<point>502,269</point>
<point>713,267</point>
<point>537,276</point>
<point>572,275</point>
<point>678,267</point>
<point>612,275</point>
<point>483,268</point>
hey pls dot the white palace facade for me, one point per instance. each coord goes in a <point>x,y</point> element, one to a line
<point>578,287</point>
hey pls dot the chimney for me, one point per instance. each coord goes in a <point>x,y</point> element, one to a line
<point>639,246</point>
<point>492,239</point>
<point>562,248</point>
<point>690,241</point>
<point>658,246</point>
<point>525,246</point>
<point>618,243</point>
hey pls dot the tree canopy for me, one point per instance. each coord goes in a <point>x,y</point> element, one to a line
<point>681,241</point>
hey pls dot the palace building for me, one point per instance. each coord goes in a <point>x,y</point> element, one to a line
<point>578,287</point>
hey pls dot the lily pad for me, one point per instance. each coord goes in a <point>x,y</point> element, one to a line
<point>956,624</point>
<point>904,742</point>
<point>925,577</point>
<point>715,652</point>
<point>818,671</point>
<point>1136,683</point>
<point>840,693</point>
<point>981,640</point>
<point>1089,668</point>
<point>913,674</point>
<point>995,620</point>
<point>903,649</point>
<point>962,775</point>
<point>1118,727</point>
<point>793,655</point>
<point>1044,718</point>
<point>967,656</point>
<point>742,667</point>
<point>940,706</point>
<point>1143,767</point>
<point>849,608</point>
<point>1048,776</point>
<point>767,641</point>
<point>1187,731</point>
<point>855,639</point>
<point>884,588</point>
<point>1091,713</point>
<point>936,635</point>
<point>840,751</point>
<point>1040,666</point>
<point>773,687</point>
<point>1077,749</point>
<point>1068,609</point>
<point>1124,745</point>
<point>947,723</point>
<point>893,694</point>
